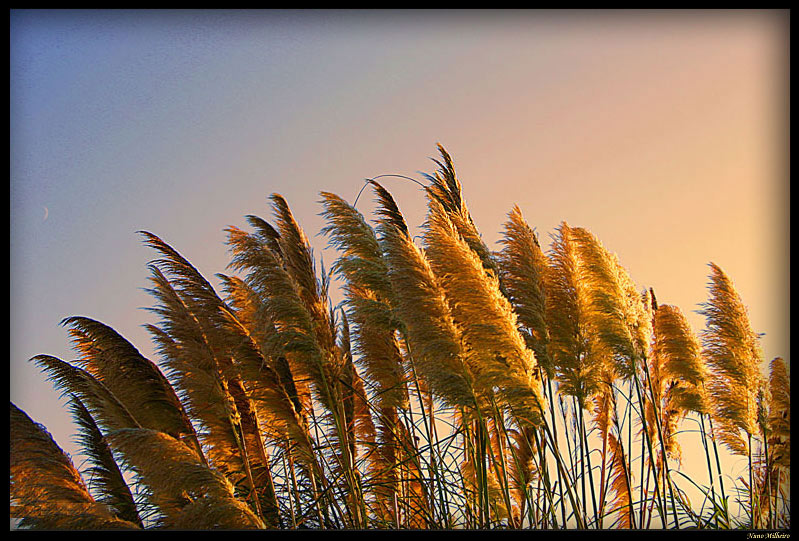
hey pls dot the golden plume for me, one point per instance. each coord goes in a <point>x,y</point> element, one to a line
<point>604,303</point>
<point>368,294</point>
<point>302,332</point>
<point>678,376</point>
<point>521,467</point>
<point>46,490</point>
<point>501,361</point>
<point>779,420</point>
<point>619,485</point>
<point>579,369</point>
<point>733,354</point>
<point>435,342</point>
<point>106,479</point>
<point>134,380</point>
<point>523,267</point>
<point>181,483</point>
<point>680,364</point>
<point>445,188</point>
<point>104,406</point>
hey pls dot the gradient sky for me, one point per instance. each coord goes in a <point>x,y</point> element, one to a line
<point>664,133</point>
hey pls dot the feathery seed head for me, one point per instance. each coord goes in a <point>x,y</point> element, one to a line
<point>733,354</point>
<point>502,361</point>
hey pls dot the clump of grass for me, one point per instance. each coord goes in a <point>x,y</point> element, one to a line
<point>454,388</point>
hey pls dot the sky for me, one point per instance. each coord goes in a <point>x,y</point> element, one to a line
<point>663,133</point>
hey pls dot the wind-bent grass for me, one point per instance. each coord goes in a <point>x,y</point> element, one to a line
<point>453,388</point>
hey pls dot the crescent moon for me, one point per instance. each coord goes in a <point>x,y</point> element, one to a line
<point>46,214</point>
